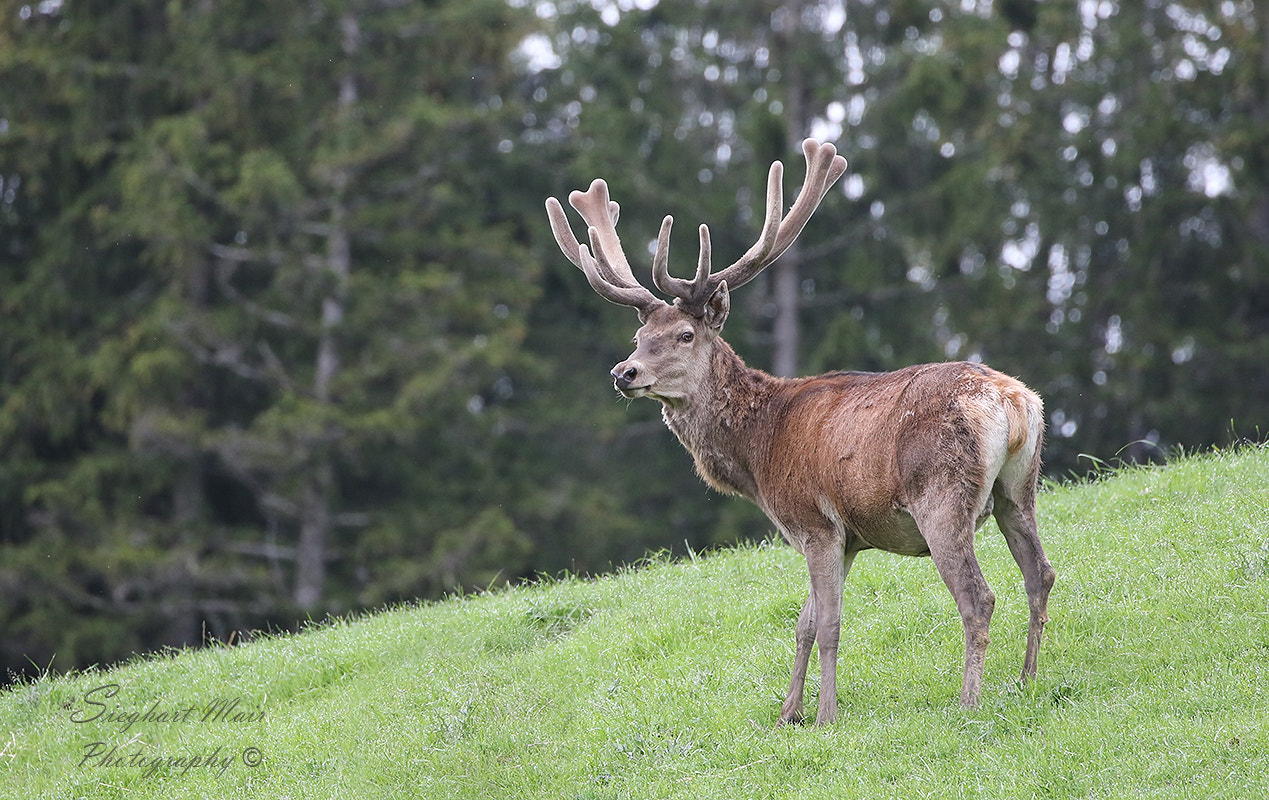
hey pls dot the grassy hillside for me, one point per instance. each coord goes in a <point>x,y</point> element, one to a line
<point>665,681</point>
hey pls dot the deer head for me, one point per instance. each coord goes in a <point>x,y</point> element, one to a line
<point>672,347</point>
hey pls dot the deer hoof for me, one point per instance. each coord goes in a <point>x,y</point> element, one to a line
<point>790,718</point>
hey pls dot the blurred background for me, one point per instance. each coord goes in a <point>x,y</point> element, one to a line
<point>283,331</point>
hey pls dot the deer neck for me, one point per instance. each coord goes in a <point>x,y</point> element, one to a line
<point>718,423</point>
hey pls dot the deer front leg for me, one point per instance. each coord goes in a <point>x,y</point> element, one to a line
<point>828,573</point>
<point>820,621</point>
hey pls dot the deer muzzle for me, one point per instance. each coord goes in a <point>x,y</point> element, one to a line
<point>627,376</point>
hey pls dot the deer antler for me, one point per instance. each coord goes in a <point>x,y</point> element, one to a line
<point>608,271</point>
<point>823,168</point>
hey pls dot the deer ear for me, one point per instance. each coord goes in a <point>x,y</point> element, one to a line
<point>717,307</point>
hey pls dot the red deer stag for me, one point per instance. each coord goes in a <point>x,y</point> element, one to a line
<point>911,462</point>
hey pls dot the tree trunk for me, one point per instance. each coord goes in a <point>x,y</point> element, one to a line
<point>315,526</point>
<point>316,518</point>
<point>787,278</point>
<point>182,627</point>
<point>784,332</point>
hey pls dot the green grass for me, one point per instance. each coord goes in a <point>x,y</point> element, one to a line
<point>665,681</point>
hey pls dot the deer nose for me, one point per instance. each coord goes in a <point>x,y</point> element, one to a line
<point>624,375</point>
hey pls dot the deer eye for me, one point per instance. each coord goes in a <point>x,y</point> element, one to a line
<point>686,336</point>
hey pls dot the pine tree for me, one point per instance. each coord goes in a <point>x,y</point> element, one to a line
<point>262,283</point>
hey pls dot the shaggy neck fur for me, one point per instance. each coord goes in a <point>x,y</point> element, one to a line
<point>719,423</point>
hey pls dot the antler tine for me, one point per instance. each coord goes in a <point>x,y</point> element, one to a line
<point>677,287</point>
<point>607,271</point>
<point>600,214</point>
<point>563,233</point>
<point>758,256</point>
<point>635,297</point>
<point>569,245</point>
<point>823,168</point>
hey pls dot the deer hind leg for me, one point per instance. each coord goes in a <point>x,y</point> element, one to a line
<point>948,528</point>
<point>1017,523</point>
<point>820,621</point>
<point>804,637</point>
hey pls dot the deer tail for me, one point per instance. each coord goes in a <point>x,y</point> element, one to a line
<point>1018,411</point>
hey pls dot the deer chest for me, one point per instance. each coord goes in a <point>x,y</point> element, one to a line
<point>717,464</point>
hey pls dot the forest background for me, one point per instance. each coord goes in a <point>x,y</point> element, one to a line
<point>283,331</point>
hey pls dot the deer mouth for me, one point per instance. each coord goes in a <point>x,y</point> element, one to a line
<point>632,392</point>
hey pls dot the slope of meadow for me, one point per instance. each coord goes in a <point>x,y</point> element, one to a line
<point>665,680</point>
